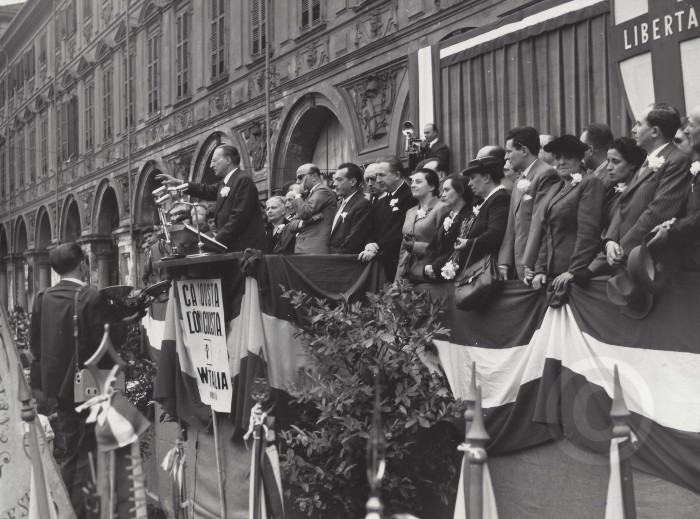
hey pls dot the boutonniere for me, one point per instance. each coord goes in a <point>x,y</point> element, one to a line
<point>394,209</point>
<point>447,223</point>
<point>449,270</point>
<point>476,209</point>
<point>620,187</point>
<point>576,178</point>
<point>527,197</point>
<point>224,191</point>
<point>695,168</point>
<point>655,163</point>
<point>343,215</point>
<point>393,202</point>
<point>523,184</point>
<point>420,214</point>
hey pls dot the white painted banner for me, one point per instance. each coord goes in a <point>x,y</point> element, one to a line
<point>204,337</point>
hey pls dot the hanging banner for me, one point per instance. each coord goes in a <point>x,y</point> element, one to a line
<point>204,335</point>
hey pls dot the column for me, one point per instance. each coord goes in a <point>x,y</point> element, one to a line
<point>3,284</point>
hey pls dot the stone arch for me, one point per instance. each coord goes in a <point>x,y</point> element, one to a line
<point>106,222</point>
<point>201,172</point>
<point>309,117</point>
<point>4,244</point>
<point>21,238</point>
<point>103,189</point>
<point>144,212</point>
<point>71,220</point>
<point>21,244</point>
<point>43,232</point>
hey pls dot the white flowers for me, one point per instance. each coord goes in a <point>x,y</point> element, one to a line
<point>476,209</point>
<point>449,271</point>
<point>447,223</point>
<point>655,163</point>
<point>695,168</point>
<point>393,202</point>
<point>224,191</point>
<point>343,215</point>
<point>523,184</point>
<point>420,214</point>
<point>576,178</point>
<point>620,187</point>
<point>527,197</point>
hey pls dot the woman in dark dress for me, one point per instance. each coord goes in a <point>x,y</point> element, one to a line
<point>624,160</point>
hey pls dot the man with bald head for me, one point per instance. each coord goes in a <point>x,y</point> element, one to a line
<point>500,154</point>
<point>312,235</point>
<point>684,232</point>
<point>374,190</point>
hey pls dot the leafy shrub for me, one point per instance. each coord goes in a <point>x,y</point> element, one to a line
<point>323,454</point>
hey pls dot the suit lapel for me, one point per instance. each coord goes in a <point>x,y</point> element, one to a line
<point>220,199</point>
<point>348,207</point>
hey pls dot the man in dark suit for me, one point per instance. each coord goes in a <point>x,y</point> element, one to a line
<point>239,219</point>
<point>684,233</point>
<point>351,222</point>
<point>657,191</point>
<point>388,215</point>
<point>53,345</point>
<point>522,241</point>
<point>314,214</point>
<point>434,147</point>
<point>599,139</point>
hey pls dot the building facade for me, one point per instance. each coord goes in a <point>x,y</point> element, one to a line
<point>99,96</point>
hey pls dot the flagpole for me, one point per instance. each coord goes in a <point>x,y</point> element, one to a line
<point>219,470</point>
<point>468,419</point>
<point>29,417</point>
<point>621,430</point>
<point>477,438</point>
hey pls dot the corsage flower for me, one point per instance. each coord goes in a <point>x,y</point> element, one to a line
<point>695,168</point>
<point>655,163</point>
<point>523,184</point>
<point>447,223</point>
<point>576,178</point>
<point>393,202</point>
<point>420,214</point>
<point>449,271</point>
<point>620,187</point>
<point>224,191</point>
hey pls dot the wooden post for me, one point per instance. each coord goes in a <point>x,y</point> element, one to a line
<point>620,415</point>
<point>29,416</point>
<point>468,418</point>
<point>477,438</point>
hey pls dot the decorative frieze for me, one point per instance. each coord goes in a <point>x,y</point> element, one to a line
<point>377,24</point>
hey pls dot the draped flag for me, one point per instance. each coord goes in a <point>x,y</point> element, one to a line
<point>153,327</point>
<point>18,487</point>
<point>547,373</point>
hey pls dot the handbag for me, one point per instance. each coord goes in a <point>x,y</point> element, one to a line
<point>477,283</point>
<point>84,384</point>
<point>416,272</point>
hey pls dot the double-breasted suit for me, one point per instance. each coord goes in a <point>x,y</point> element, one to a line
<point>572,221</point>
<point>312,237</point>
<point>684,234</point>
<point>239,219</point>
<point>651,198</point>
<point>351,229</point>
<point>515,252</point>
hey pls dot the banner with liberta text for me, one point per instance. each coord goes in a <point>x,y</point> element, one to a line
<point>203,328</point>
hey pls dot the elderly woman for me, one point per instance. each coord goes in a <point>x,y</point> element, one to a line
<point>572,218</point>
<point>279,241</point>
<point>458,197</point>
<point>624,160</point>
<point>485,234</point>
<point>421,221</point>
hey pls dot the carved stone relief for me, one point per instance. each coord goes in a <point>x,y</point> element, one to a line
<point>86,199</point>
<point>87,30</point>
<point>377,24</point>
<point>254,134</point>
<point>184,120</point>
<point>311,57</point>
<point>123,183</point>
<point>373,98</point>
<point>221,102</point>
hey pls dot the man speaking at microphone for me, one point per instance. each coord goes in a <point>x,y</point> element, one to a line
<point>239,219</point>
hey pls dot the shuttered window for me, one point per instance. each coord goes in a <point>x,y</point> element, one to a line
<point>128,93</point>
<point>89,116</point>
<point>182,54</point>
<point>63,131</point>
<point>2,172</point>
<point>257,14</point>
<point>20,157</point>
<point>310,13</point>
<point>107,79</point>
<point>44,145</point>
<point>11,162</point>
<point>31,151</point>
<point>218,37</point>
<point>153,72</point>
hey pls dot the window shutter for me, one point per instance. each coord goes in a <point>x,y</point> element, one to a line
<point>304,14</point>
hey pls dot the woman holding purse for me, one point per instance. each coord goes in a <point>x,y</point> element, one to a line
<point>422,221</point>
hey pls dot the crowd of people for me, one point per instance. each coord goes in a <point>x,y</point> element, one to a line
<point>551,210</point>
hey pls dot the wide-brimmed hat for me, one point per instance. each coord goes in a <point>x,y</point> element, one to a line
<point>633,290</point>
<point>566,145</point>
<point>483,166</point>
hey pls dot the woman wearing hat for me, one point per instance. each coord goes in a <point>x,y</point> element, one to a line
<point>624,160</point>
<point>572,218</point>
<point>422,221</point>
<point>485,234</point>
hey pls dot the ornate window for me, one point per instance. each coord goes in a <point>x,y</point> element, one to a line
<point>29,63</point>
<point>128,90</point>
<point>20,158</point>
<point>218,38</point>
<point>44,144</point>
<point>89,116</point>
<point>42,49</point>
<point>257,15</point>
<point>31,150</point>
<point>182,54</point>
<point>153,71</point>
<point>107,77</point>
<point>68,129</point>
<point>310,14</point>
